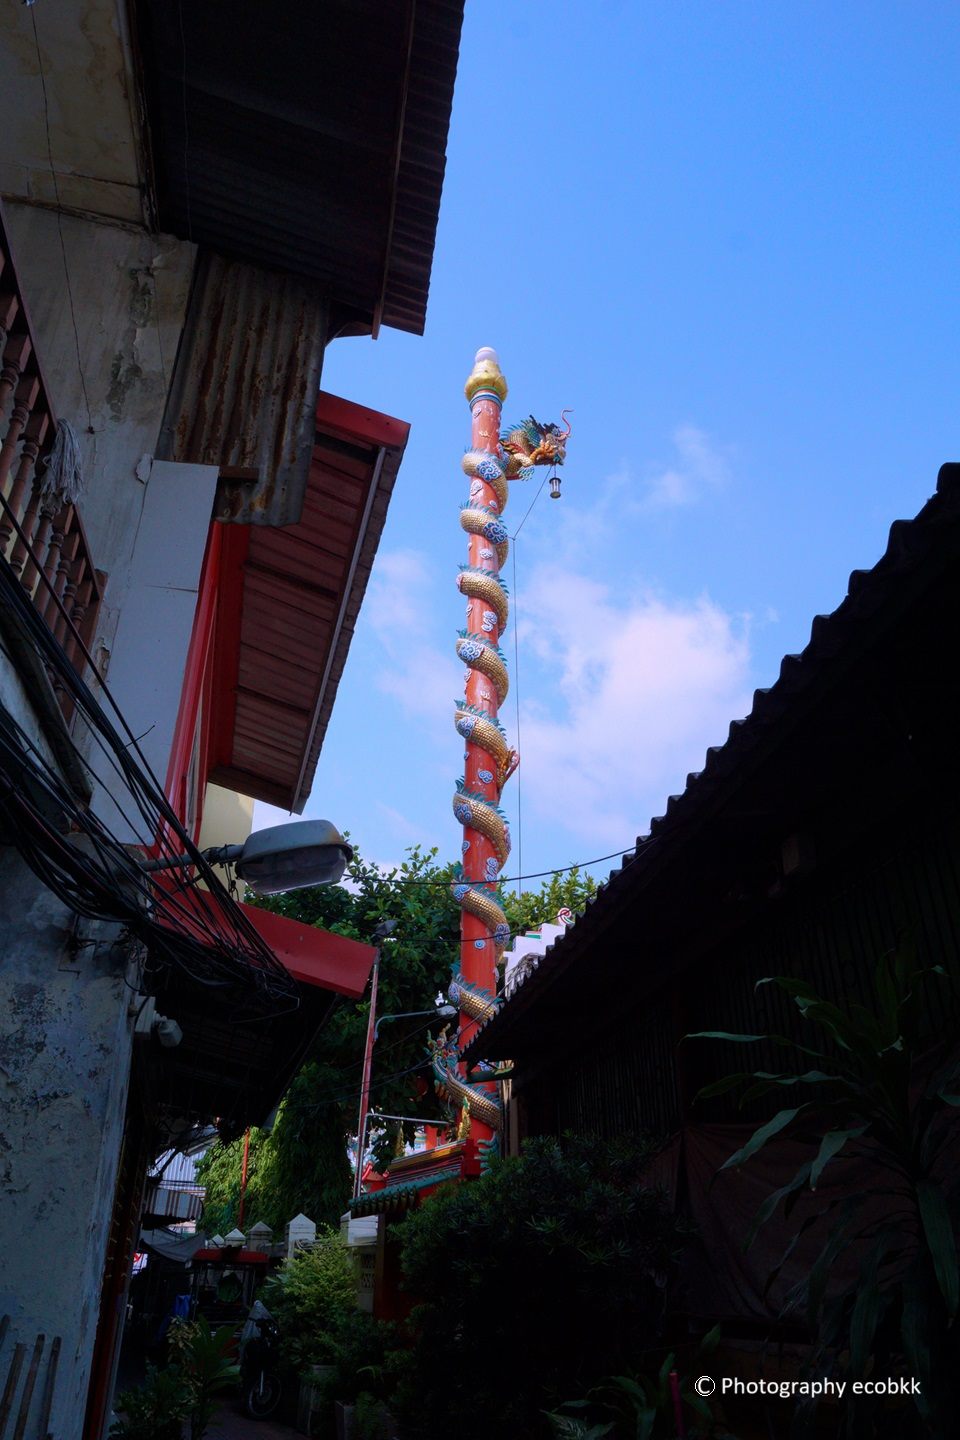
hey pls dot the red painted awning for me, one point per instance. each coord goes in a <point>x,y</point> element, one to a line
<point>241,1045</point>
<point>312,956</point>
<point>315,957</point>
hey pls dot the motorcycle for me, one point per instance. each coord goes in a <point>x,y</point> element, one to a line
<point>259,1356</point>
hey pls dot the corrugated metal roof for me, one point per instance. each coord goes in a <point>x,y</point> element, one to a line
<point>917,553</point>
<point>310,139</point>
<point>244,388</point>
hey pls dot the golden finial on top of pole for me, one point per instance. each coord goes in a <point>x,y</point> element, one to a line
<point>486,375</point>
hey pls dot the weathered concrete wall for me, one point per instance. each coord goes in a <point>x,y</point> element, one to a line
<point>15,700</point>
<point>65,1034</point>
<point>147,522</point>
<point>87,94</point>
<point>130,295</point>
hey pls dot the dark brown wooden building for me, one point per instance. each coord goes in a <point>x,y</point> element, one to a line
<point>824,832</point>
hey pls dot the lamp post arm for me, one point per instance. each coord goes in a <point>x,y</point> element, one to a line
<point>412,1015</point>
<point>365,1078</point>
<point>215,855</point>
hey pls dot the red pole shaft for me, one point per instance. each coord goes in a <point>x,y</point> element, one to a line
<point>365,1079</point>
<point>478,953</point>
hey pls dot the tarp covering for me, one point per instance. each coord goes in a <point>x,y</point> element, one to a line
<point>171,1246</point>
<point>720,1280</point>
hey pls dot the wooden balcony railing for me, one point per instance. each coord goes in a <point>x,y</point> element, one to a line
<point>42,539</point>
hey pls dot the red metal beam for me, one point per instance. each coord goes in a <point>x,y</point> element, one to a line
<point>234,547</point>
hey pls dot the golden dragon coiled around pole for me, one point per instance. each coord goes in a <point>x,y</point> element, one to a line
<point>482,585</point>
<point>481,728</point>
<point>520,449</point>
<point>480,655</point>
<point>474,725</point>
<point>451,1085</point>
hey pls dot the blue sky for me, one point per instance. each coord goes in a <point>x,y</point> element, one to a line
<point>726,236</point>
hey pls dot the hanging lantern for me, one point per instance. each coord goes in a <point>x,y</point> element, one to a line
<point>554,486</point>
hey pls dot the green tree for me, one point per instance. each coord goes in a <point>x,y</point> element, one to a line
<point>303,1164</point>
<point>533,908</point>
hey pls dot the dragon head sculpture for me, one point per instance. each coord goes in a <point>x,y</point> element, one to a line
<point>532,443</point>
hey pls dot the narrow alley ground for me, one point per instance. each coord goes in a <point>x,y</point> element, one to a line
<point>230,1424</point>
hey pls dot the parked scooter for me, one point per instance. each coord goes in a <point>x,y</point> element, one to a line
<point>259,1357</point>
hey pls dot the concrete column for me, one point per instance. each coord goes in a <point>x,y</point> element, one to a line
<point>65,1039</point>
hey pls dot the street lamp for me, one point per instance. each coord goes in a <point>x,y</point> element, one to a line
<point>382,931</point>
<point>281,857</point>
<point>410,1014</point>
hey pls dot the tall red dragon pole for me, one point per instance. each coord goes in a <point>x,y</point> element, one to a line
<point>489,761</point>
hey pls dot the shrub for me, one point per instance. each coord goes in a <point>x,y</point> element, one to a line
<point>311,1298</point>
<point>362,1353</point>
<point>642,1406</point>
<point>373,1418</point>
<point>535,1280</point>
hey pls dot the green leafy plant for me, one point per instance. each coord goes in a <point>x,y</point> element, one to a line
<point>639,1406</point>
<point>543,1273</point>
<point>154,1412</point>
<point>202,1358</point>
<point>311,1299</point>
<point>361,1352</point>
<point>372,1418</point>
<point>867,1099</point>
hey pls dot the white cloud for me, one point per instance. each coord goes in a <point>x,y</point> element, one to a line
<point>398,583</point>
<point>700,465</point>
<point>595,516</point>
<point>418,675</point>
<point>641,689</point>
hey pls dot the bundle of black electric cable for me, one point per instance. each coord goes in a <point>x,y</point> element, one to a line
<point>100,877</point>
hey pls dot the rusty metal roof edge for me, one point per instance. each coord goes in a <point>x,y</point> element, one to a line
<point>244,384</point>
<point>423,98</point>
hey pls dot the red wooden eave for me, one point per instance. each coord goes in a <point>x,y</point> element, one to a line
<point>287,598</point>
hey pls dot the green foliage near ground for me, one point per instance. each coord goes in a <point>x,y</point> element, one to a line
<point>535,1280</point>
<point>871,1081</point>
<point>643,1405</point>
<point>302,1166</point>
<point>202,1358</point>
<point>155,1411</point>
<point>199,1370</point>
